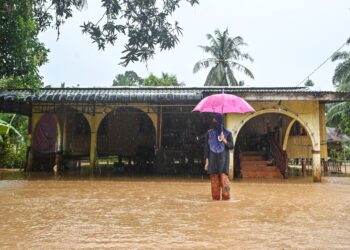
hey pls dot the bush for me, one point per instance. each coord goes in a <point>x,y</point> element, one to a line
<point>12,152</point>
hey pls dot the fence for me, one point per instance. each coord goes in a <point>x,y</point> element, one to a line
<point>299,167</point>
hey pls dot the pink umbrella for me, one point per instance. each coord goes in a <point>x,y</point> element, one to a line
<point>223,103</point>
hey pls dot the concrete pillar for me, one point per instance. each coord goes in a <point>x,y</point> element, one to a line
<point>231,125</point>
<point>93,143</point>
<point>32,122</point>
<point>323,132</point>
<point>94,122</point>
<point>231,168</point>
<point>316,166</point>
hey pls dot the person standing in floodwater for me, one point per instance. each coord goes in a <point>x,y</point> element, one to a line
<point>218,143</point>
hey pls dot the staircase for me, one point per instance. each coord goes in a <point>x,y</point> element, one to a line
<point>254,165</point>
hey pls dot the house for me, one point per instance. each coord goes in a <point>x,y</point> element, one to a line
<point>155,126</point>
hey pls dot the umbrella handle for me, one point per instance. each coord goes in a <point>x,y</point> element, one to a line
<point>219,138</point>
<point>222,132</point>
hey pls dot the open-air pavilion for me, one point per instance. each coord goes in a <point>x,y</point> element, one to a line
<point>154,128</point>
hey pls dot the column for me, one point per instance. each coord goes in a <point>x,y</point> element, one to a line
<point>93,143</point>
<point>230,121</point>
<point>94,122</point>
<point>316,165</point>
<point>231,169</point>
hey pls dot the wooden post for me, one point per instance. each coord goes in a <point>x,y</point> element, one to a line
<point>303,167</point>
<point>316,166</point>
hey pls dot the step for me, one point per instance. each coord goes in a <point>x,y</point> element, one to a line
<point>246,153</point>
<point>260,169</point>
<point>252,158</point>
<point>262,175</point>
<point>256,163</point>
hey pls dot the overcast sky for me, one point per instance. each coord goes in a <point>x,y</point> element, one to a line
<point>288,39</point>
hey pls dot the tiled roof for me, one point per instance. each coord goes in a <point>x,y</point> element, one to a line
<point>152,94</point>
<point>334,135</point>
<point>159,95</point>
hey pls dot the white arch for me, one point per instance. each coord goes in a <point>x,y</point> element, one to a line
<point>280,111</point>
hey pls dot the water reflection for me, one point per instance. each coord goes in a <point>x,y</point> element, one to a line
<point>39,210</point>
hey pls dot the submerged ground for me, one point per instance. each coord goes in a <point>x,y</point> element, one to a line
<point>41,211</point>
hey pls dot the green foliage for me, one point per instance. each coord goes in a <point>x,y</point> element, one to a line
<point>335,154</point>
<point>340,151</point>
<point>12,143</point>
<point>338,114</point>
<point>341,77</point>
<point>309,83</point>
<point>241,83</point>
<point>226,54</point>
<point>145,23</point>
<point>21,53</point>
<point>164,80</point>
<point>12,153</point>
<point>129,78</point>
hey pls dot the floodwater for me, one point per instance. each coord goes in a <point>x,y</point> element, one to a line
<point>41,211</point>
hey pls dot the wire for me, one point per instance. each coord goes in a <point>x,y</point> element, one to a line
<point>308,77</point>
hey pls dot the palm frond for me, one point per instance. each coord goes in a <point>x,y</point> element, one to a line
<point>246,56</point>
<point>80,4</point>
<point>238,41</point>
<point>340,55</point>
<point>224,49</point>
<point>211,77</point>
<point>205,63</point>
<point>232,80</point>
<point>337,110</point>
<point>241,68</point>
<point>208,49</point>
<point>341,72</point>
<point>213,41</point>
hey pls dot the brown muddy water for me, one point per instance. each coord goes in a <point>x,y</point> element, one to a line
<point>41,211</point>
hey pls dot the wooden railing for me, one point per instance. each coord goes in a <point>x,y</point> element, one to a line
<point>278,155</point>
<point>332,167</point>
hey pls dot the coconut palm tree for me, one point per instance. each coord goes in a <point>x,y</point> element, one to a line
<point>226,54</point>
<point>337,114</point>
<point>341,76</point>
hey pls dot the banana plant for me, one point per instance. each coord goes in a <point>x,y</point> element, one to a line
<point>5,127</point>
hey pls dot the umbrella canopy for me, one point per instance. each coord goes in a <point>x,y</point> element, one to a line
<point>222,104</point>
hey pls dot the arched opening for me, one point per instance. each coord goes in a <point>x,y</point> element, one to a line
<point>261,145</point>
<point>75,139</point>
<point>46,142</point>
<point>298,146</point>
<point>126,138</point>
<point>183,137</point>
